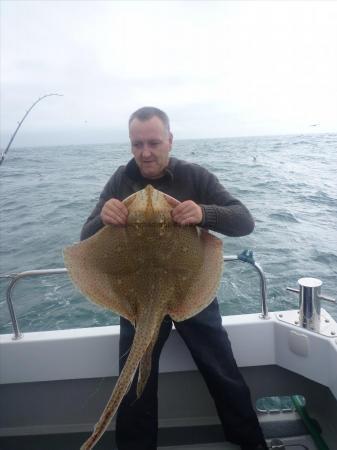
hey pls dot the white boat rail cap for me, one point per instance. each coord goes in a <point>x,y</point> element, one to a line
<point>246,256</point>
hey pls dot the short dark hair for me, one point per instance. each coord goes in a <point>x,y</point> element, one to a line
<point>147,112</point>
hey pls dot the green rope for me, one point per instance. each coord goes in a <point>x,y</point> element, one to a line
<point>309,423</point>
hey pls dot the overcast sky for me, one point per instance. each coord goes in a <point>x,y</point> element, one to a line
<point>217,68</point>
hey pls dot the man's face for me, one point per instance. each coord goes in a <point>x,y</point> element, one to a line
<point>151,143</point>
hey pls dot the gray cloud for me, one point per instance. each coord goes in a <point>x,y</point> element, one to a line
<point>230,69</point>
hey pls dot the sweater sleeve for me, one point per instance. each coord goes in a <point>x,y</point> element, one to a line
<point>94,222</point>
<point>222,212</point>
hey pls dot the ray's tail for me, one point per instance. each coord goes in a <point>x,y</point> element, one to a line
<point>145,364</point>
<point>142,340</point>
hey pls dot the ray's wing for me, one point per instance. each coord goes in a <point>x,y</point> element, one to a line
<point>101,269</point>
<point>105,267</point>
<point>197,282</point>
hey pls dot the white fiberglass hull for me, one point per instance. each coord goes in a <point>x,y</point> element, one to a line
<point>58,381</point>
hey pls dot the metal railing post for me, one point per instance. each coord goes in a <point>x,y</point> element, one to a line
<point>15,277</point>
<point>247,256</point>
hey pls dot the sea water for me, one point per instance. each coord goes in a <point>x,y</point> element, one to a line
<point>288,183</point>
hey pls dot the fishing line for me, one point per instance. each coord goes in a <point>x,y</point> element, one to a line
<point>21,122</point>
<point>100,383</point>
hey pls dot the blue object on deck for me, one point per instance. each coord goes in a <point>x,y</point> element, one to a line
<point>247,256</point>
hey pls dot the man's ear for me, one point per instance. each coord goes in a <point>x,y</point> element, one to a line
<point>170,140</point>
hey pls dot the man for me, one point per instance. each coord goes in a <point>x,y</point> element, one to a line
<point>203,202</point>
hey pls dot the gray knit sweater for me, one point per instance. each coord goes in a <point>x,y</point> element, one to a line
<point>184,181</point>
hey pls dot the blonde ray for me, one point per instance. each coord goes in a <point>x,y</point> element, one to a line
<point>144,271</point>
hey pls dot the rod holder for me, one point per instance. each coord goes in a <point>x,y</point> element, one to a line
<point>310,302</point>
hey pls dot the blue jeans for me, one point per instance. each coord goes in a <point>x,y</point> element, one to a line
<point>137,420</point>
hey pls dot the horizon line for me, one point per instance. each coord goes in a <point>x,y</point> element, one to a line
<point>177,139</point>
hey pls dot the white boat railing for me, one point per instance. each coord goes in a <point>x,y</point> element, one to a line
<point>246,256</point>
<point>15,277</point>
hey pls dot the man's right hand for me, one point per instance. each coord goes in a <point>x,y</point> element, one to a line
<point>114,212</point>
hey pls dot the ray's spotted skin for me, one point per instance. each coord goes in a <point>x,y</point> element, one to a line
<point>144,271</point>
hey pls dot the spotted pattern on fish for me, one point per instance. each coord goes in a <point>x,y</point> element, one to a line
<point>144,271</point>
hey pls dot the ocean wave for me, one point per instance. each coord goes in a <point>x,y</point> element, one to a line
<point>302,142</point>
<point>320,198</point>
<point>265,184</point>
<point>325,258</point>
<point>284,216</point>
<point>294,204</point>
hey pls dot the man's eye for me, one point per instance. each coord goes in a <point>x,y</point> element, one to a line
<point>154,143</point>
<point>137,145</point>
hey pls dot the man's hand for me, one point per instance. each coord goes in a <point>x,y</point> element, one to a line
<point>114,212</point>
<point>185,213</point>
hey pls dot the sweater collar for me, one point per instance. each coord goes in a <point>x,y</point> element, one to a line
<point>133,172</point>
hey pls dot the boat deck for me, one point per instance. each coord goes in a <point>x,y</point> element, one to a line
<point>74,441</point>
<point>296,443</point>
<point>213,446</point>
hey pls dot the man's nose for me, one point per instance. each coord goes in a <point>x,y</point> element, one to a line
<point>146,151</point>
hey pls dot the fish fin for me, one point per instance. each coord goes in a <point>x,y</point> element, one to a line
<point>202,289</point>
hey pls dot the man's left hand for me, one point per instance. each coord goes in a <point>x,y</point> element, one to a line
<point>186,213</point>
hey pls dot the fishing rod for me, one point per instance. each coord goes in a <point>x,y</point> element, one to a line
<point>21,122</point>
